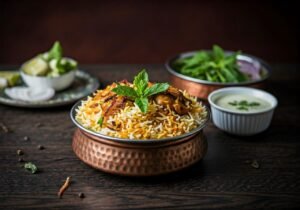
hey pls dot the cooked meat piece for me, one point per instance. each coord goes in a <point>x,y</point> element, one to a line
<point>174,92</point>
<point>180,108</point>
<point>93,105</point>
<point>116,104</point>
<point>105,94</point>
<point>113,127</point>
<point>125,81</point>
<point>164,100</point>
<point>150,84</point>
<point>176,105</point>
<point>108,97</point>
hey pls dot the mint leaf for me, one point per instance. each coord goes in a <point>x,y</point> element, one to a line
<point>31,167</point>
<point>218,52</point>
<point>140,82</point>
<point>141,91</point>
<point>156,88</point>
<point>55,52</point>
<point>125,91</point>
<point>142,103</point>
<point>231,59</point>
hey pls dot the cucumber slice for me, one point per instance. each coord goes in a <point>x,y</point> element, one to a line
<point>36,67</point>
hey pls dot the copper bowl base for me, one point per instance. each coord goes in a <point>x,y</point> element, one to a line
<point>140,159</point>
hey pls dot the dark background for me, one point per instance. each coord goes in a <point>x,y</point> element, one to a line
<point>147,31</point>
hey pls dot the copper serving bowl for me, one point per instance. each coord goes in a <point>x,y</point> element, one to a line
<point>202,88</point>
<point>138,157</point>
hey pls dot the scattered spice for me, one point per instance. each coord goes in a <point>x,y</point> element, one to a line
<point>58,159</point>
<point>21,160</point>
<point>255,164</point>
<point>4,128</point>
<point>81,195</point>
<point>64,187</point>
<point>40,147</point>
<point>20,152</point>
<point>31,167</point>
<point>26,138</point>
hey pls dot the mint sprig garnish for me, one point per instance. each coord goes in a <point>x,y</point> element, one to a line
<point>140,90</point>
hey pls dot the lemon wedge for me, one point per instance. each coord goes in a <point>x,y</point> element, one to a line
<point>11,77</point>
<point>36,67</point>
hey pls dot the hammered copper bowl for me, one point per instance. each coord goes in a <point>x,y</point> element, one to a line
<point>138,157</point>
<point>202,88</point>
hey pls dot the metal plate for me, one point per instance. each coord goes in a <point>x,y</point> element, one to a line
<point>83,86</point>
<point>137,141</point>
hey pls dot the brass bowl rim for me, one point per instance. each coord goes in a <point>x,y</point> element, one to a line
<point>138,141</point>
<point>243,56</point>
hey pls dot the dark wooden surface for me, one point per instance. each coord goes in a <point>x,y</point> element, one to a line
<point>222,180</point>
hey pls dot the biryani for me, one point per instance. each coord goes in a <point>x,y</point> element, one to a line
<point>141,110</point>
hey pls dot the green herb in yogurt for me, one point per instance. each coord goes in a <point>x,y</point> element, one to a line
<point>243,103</point>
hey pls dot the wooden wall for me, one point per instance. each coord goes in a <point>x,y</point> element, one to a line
<point>147,31</point>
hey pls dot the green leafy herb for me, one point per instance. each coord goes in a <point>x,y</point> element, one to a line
<point>100,121</point>
<point>243,104</point>
<point>125,91</point>
<point>254,104</point>
<point>55,52</point>
<point>140,82</point>
<point>214,66</point>
<point>140,91</point>
<point>242,108</point>
<point>31,167</point>
<point>142,103</point>
<point>65,65</point>
<point>156,88</point>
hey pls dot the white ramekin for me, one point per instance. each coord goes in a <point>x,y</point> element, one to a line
<point>242,123</point>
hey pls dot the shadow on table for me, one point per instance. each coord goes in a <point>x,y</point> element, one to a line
<point>192,172</point>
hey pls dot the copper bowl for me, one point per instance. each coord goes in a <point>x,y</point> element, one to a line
<point>138,157</point>
<point>202,88</point>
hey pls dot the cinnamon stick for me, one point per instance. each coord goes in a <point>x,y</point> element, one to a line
<point>64,187</point>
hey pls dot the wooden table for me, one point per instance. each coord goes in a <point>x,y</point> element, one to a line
<point>223,179</point>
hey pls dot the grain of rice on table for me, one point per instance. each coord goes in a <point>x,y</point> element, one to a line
<point>157,123</point>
